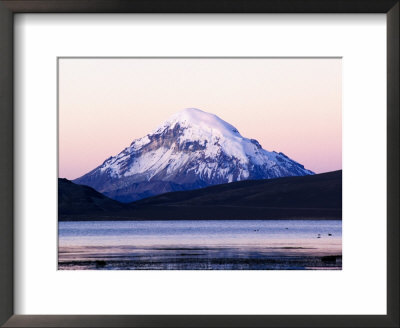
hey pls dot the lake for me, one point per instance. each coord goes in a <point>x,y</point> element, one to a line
<point>201,245</point>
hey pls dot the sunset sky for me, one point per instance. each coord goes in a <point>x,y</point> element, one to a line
<point>289,105</point>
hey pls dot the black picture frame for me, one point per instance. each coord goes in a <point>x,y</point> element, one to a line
<point>10,7</point>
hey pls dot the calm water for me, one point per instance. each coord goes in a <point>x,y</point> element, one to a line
<point>201,245</point>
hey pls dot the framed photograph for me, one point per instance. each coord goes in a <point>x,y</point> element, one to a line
<point>199,164</point>
<point>192,192</point>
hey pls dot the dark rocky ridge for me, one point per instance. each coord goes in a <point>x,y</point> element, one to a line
<point>76,200</point>
<point>305,197</point>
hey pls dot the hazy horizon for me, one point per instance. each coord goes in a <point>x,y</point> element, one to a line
<point>289,105</point>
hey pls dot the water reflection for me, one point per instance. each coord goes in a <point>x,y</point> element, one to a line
<point>200,245</point>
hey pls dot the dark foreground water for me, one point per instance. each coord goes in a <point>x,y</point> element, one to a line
<point>201,245</point>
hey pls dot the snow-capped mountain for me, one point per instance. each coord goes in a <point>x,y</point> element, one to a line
<point>192,149</point>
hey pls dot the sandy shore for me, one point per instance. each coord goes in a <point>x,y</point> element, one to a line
<point>198,259</point>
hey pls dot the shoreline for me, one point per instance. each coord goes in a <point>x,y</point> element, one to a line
<point>290,262</point>
<point>199,219</point>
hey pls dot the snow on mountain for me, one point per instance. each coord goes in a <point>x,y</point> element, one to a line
<point>192,149</point>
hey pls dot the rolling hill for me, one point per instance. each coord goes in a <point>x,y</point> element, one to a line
<point>302,197</point>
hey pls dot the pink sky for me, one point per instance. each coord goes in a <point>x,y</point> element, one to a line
<point>288,105</point>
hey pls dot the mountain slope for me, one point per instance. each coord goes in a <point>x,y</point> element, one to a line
<point>307,197</point>
<point>192,149</point>
<point>320,190</point>
<point>76,200</point>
